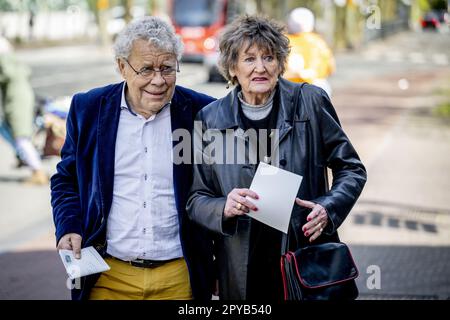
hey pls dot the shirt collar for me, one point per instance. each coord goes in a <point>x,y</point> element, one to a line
<point>123,101</point>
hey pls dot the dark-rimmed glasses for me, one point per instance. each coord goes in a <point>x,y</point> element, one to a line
<point>149,73</point>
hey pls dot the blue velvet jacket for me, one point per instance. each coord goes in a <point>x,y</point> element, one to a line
<point>82,187</point>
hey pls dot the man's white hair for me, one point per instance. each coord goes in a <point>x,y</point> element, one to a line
<point>154,29</point>
<point>301,20</point>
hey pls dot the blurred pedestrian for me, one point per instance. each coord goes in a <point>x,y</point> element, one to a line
<point>310,60</point>
<point>117,188</point>
<point>253,55</point>
<point>32,19</point>
<point>17,111</point>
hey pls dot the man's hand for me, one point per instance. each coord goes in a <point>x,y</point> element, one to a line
<point>71,241</point>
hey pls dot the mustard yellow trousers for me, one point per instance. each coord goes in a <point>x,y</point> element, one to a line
<point>126,282</point>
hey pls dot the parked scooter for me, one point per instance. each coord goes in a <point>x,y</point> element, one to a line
<point>49,128</point>
<point>50,123</point>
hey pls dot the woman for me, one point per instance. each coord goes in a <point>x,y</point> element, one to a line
<point>253,54</point>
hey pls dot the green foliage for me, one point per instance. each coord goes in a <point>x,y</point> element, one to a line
<point>24,5</point>
<point>8,5</point>
<point>424,5</point>
<point>443,110</point>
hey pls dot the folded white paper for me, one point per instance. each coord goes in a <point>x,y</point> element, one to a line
<point>277,189</point>
<point>91,262</point>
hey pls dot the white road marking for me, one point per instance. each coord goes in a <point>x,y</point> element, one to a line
<point>440,59</point>
<point>417,57</point>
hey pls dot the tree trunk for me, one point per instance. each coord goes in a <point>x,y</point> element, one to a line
<point>103,17</point>
<point>128,5</point>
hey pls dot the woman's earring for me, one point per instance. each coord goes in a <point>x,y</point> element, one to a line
<point>228,84</point>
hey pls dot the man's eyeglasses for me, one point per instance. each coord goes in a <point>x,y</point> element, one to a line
<point>149,73</point>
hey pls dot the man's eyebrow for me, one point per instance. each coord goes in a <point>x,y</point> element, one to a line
<point>146,66</point>
<point>168,61</point>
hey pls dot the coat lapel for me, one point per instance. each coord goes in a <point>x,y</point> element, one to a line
<point>108,123</point>
<point>285,121</point>
<point>181,117</point>
<point>287,108</point>
<point>228,115</point>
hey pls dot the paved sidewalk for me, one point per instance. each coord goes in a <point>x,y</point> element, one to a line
<point>401,223</point>
<point>408,171</point>
<point>30,266</point>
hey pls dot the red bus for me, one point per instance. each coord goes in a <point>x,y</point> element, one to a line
<point>198,22</point>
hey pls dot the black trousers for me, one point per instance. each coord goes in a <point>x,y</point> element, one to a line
<point>264,281</point>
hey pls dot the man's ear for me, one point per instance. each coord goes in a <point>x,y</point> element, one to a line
<point>121,66</point>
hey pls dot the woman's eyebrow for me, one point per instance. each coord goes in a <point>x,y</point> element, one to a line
<point>249,53</point>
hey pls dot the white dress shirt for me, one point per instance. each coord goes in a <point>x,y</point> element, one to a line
<point>143,221</point>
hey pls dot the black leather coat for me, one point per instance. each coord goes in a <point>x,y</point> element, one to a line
<point>311,140</point>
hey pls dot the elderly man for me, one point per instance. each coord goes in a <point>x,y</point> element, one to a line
<point>117,187</point>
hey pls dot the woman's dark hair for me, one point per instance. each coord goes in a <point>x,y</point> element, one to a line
<point>249,30</point>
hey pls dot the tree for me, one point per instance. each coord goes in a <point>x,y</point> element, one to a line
<point>127,4</point>
<point>438,4</point>
<point>100,10</point>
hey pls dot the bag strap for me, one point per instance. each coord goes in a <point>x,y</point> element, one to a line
<point>297,96</point>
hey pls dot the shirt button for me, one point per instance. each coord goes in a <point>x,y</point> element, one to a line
<point>145,149</point>
<point>145,205</point>
<point>145,177</point>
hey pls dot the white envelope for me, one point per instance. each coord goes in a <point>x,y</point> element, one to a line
<point>277,190</point>
<point>91,262</point>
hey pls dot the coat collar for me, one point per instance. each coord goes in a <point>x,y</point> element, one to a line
<point>181,110</point>
<point>228,115</point>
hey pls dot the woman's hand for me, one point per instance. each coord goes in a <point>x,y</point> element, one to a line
<point>317,219</point>
<point>237,204</point>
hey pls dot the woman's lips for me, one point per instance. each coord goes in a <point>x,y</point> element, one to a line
<point>259,79</point>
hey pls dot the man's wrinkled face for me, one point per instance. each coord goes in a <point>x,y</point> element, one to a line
<point>149,91</point>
